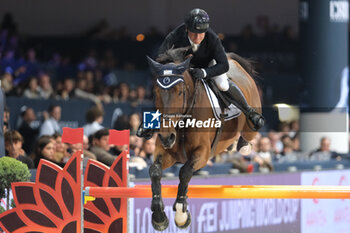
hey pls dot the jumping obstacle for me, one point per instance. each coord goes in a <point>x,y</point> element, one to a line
<point>54,203</point>
<point>228,192</point>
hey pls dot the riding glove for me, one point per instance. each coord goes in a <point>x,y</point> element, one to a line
<point>198,73</point>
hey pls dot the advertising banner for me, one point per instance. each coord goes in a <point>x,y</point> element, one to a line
<point>323,31</point>
<point>223,215</point>
<point>325,216</point>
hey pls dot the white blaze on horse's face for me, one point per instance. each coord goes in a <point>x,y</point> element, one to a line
<point>196,38</point>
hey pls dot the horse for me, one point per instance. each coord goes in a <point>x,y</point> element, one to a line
<point>186,97</point>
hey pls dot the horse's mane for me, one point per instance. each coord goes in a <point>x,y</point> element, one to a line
<point>173,55</point>
<point>178,55</point>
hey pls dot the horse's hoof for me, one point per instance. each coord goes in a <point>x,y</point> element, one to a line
<point>246,150</point>
<point>160,226</point>
<point>243,147</point>
<point>187,223</point>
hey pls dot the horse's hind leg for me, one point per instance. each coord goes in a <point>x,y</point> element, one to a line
<point>244,145</point>
<point>159,219</point>
<point>182,215</point>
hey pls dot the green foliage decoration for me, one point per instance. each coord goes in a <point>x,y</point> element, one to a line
<point>11,170</point>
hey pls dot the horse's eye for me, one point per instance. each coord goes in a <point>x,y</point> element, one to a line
<point>180,92</point>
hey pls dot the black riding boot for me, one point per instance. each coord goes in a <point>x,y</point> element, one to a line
<point>236,97</point>
<point>144,133</point>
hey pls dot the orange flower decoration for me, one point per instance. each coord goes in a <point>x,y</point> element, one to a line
<point>53,203</point>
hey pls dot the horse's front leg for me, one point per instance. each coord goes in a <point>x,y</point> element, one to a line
<point>182,215</point>
<point>159,219</point>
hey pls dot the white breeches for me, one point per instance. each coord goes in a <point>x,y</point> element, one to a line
<point>221,81</point>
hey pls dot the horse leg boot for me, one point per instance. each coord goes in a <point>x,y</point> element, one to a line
<point>144,133</point>
<point>182,215</point>
<point>159,219</point>
<point>235,96</point>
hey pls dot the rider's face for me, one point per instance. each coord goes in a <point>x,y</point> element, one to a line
<point>196,38</point>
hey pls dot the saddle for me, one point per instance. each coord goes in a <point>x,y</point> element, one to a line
<point>219,104</point>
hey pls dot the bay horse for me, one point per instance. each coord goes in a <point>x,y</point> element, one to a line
<point>189,145</point>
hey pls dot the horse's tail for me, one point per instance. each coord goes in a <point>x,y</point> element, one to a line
<point>246,63</point>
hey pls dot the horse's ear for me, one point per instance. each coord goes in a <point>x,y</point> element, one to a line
<point>185,64</point>
<point>154,66</point>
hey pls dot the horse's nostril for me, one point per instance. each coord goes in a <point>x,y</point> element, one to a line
<point>172,137</point>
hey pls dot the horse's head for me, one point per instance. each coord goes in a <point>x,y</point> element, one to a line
<point>171,91</point>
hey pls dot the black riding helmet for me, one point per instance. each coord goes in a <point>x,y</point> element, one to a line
<point>197,21</point>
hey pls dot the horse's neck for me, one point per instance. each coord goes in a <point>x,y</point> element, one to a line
<point>190,85</point>
<point>197,97</point>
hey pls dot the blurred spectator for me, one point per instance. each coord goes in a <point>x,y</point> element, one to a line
<point>27,130</point>
<point>86,143</point>
<point>264,149</point>
<point>90,84</point>
<point>84,147</point>
<point>67,91</point>
<point>51,126</point>
<point>100,147</point>
<point>288,153</point>
<point>141,96</point>
<point>6,126</point>
<point>135,145</point>
<point>133,96</point>
<point>324,153</point>
<point>296,142</point>
<point>7,80</point>
<point>121,123</point>
<point>115,93</point>
<point>148,149</point>
<point>134,122</point>
<point>13,146</point>
<point>117,149</point>
<point>94,119</point>
<point>80,92</point>
<point>276,142</point>
<point>32,91</point>
<point>124,92</point>
<point>87,152</point>
<point>265,154</point>
<point>45,149</point>
<point>46,90</point>
<point>61,149</point>
<point>294,128</point>
<point>284,128</point>
<point>31,64</point>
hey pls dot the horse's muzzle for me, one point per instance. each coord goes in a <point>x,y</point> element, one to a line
<point>167,140</point>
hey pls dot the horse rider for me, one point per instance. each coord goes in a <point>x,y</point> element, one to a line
<point>209,61</point>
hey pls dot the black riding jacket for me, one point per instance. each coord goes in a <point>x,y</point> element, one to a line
<point>210,48</point>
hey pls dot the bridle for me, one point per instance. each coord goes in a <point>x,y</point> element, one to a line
<point>185,110</point>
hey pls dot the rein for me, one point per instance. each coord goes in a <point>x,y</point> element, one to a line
<point>193,102</point>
